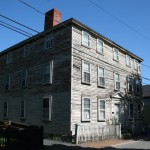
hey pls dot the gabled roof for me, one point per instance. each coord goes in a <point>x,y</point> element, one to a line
<point>65,24</point>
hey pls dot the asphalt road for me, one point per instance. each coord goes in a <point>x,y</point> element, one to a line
<point>134,145</point>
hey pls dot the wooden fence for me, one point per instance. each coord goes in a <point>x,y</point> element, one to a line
<point>95,132</point>
<point>14,135</point>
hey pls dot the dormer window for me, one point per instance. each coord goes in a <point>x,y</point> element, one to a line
<point>128,60</point>
<point>135,64</point>
<point>26,51</point>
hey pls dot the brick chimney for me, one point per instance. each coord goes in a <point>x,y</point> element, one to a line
<point>52,18</point>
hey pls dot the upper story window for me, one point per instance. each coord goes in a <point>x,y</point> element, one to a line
<point>5,109</point>
<point>129,84</point>
<point>47,108</point>
<point>101,110</point>
<point>100,46</point>
<point>49,41</point>
<point>26,50</point>
<point>135,64</point>
<point>47,73</point>
<point>86,109</point>
<point>116,54</point>
<point>9,58</point>
<point>22,109</point>
<point>101,77</point>
<point>86,71</point>
<point>137,86</point>
<point>85,39</point>
<point>24,78</point>
<point>128,60</point>
<point>131,110</point>
<point>138,110</point>
<point>117,81</point>
<point>7,82</point>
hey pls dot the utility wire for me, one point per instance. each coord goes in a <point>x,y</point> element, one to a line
<point>19,23</point>
<point>98,7</point>
<point>15,28</point>
<point>122,22</point>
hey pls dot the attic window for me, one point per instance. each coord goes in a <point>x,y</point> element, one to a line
<point>26,51</point>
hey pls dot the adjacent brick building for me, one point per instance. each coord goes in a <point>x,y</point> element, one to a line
<point>70,74</point>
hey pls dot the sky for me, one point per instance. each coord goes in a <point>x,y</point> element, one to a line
<point>126,22</point>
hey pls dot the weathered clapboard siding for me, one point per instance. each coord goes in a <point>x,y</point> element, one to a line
<point>60,54</point>
<point>79,53</point>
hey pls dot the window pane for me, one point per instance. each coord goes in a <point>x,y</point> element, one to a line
<point>86,67</point>
<point>86,39</point>
<point>100,46</point>
<point>102,104</point>
<point>102,115</point>
<point>86,114</point>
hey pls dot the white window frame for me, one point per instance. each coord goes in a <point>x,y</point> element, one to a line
<point>7,82</point>
<point>135,64</point>
<point>50,73</point>
<point>100,47</point>
<point>24,79</point>
<point>5,110</point>
<point>129,82</point>
<point>22,109</point>
<point>101,110</point>
<point>116,54</point>
<point>9,58</point>
<point>86,40</point>
<point>49,109</point>
<point>117,81</point>
<point>49,41</point>
<point>102,77</point>
<point>128,60</point>
<point>84,71</point>
<point>86,109</point>
<point>131,103</point>
<point>26,50</point>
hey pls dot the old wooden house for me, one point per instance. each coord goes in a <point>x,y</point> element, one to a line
<point>70,74</point>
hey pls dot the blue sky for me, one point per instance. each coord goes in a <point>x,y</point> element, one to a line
<point>125,22</point>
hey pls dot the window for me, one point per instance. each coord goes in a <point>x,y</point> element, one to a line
<point>24,79</point>
<point>85,38</point>
<point>47,108</point>
<point>7,82</point>
<point>129,84</point>
<point>101,77</point>
<point>137,86</point>
<point>22,109</point>
<point>128,60</point>
<point>9,58</point>
<point>131,110</point>
<point>47,73</point>
<point>116,54</point>
<point>86,69</point>
<point>101,110</point>
<point>135,64</point>
<point>138,111</point>
<point>49,41</point>
<point>100,45</point>
<point>117,81</point>
<point>26,51</point>
<point>5,107</point>
<point>86,109</point>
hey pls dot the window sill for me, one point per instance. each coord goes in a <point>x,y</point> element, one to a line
<point>116,60</point>
<point>86,46</point>
<point>116,89</point>
<point>86,83</point>
<point>101,121</point>
<point>99,86</point>
<point>46,120</point>
<point>86,121</point>
<point>128,66</point>
<point>47,84</point>
<point>100,53</point>
<point>22,119</point>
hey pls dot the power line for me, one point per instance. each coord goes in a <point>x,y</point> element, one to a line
<point>122,22</point>
<point>19,23</point>
<point>145,65</point>
<point>16,28</point>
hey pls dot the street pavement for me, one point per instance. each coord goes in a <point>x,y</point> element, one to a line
<point>135,145</point>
